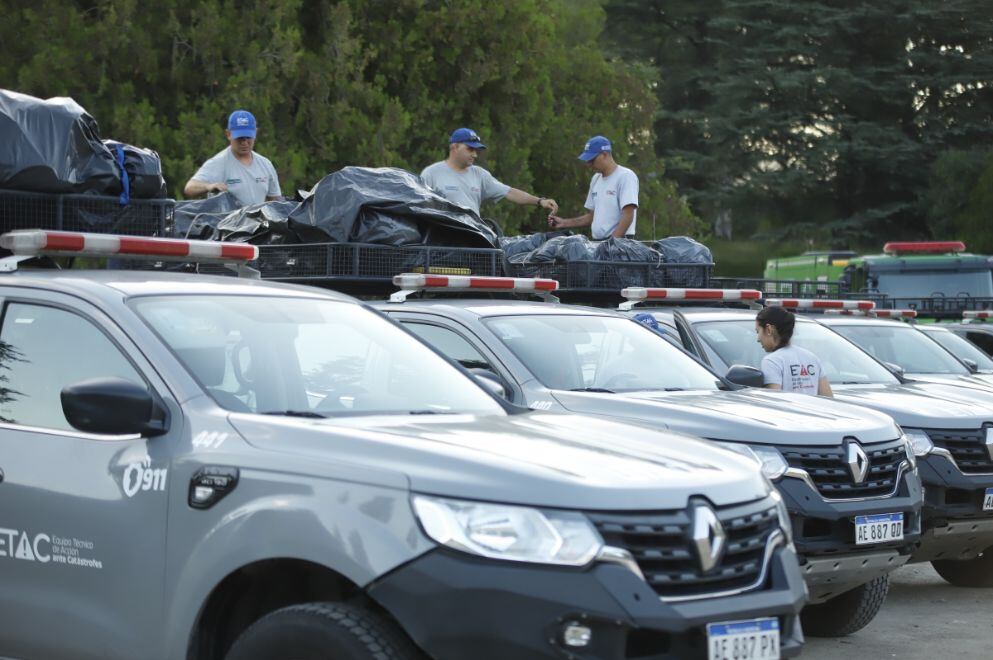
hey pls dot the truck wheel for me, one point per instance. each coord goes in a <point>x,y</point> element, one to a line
<point>846,613</point>
<point>976,572</point>
<point>321,631</point>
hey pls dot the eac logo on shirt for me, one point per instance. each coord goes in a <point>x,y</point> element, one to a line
<point>802,370</point>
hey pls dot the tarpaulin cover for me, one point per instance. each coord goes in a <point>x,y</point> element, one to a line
<point>205,212</point>
<point>626,249</point>
<point>144,170</point>
<point>515,245</point>
<point>685,250</point>
<point>53,146</point>
<point>388,206</point>
<point>261,224</point>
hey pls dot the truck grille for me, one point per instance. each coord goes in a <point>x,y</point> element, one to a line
<point>661,544</point>
<point>966,447</point>
<point>829,470</point>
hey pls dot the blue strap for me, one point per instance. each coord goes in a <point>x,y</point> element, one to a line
<point>125,184</point>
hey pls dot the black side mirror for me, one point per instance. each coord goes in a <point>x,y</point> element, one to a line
<point>113,406</point>
<point>971,364</point>
<point>895,369</point>
<point>740,374</point>
<point>490,381</point>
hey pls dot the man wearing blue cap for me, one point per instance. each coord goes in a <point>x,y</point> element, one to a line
<point>460,181</point>
<point>249,176</point>
<point>612,202</point>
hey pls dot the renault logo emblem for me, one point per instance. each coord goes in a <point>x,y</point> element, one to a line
<point>708,537</point>
<point>989,442</point>
<point>857,461</point>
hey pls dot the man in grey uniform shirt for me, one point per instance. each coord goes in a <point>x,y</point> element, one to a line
<point>612,202</point>
<point>249,176</point>
<point>468,185</point>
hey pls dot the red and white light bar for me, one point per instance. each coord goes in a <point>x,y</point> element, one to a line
<point>645,293</point>
<point>846,312</point>
<point>894,313</point>
<point>820,304</point>
<point>973,314</point>
<point>923,247</point>
<point>34,242</point>
<point>412,282</point>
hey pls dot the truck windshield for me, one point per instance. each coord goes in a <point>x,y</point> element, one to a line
<point>307,357</point>
<point>917,284</point>
<point>572,352</point>
<point>961,348</point>
<point>843,362</point>
<point>904,346</point>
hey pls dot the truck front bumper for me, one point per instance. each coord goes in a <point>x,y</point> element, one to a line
<point>456,606</point>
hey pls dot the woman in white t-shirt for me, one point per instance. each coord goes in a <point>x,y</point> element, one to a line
<point>787,367</point>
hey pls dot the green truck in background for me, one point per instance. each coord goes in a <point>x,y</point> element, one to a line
<point>936,277</point>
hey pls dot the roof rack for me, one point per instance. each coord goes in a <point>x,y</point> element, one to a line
<point>29,243</point>
<point>410,283</point>
<point>638,294</point>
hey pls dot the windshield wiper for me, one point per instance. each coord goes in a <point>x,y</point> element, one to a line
<point>430,412</point>
<point>296,413</point>
<point>601,390</point>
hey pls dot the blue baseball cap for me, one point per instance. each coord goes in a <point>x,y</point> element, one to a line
<point>645,318</point>
<point>241,123</point>
<point>597,145</point>
<point>468,137</point>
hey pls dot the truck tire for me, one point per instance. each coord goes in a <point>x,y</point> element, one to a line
<point>846,613</point>
<point>976,572</point>
<point>322,631</point>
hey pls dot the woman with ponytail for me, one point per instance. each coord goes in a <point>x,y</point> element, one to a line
<point>787,367</point>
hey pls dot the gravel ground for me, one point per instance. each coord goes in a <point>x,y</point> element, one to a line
<point>924,618</point>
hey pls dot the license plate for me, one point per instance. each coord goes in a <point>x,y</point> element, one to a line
<point>988,500</point>
<point>878,528</point>
<point>757,639</point>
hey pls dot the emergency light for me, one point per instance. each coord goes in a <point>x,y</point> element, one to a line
<point>820,304</point>
<point>973,314</point>
<point>923,247</point>
<point>637,294</point>
<point>36,242</point>
<point>894,313</point>
<point>416,282</point>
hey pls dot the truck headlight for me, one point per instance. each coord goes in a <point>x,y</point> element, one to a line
<point>772,462</point>
<point>513,533</point>
<point>919,442</point>
<point>784,516</point>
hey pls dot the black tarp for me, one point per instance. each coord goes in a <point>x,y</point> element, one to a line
<point>204,213</point>
<point>53,146</point>
<point>385,205</point>
<point>646,263</point>
<point>144,169</point>
<point>260,224</point>
<point>685,250</point>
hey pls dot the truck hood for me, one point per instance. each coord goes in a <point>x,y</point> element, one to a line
<point>538,459</point>
<point>754,415</point>
<point>920,404</point>
<point>980,381</point>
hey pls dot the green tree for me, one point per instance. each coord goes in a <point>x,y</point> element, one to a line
<point>353,82</point>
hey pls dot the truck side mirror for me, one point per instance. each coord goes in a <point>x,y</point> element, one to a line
<point>491,382</point>
<point>895,369</point>
<point>113,406</point>
<point>740,374</point>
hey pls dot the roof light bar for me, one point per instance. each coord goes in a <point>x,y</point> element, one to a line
<point>894,313</point>
<point>846,312</point>
<point>973,314</point>
<point>414,282</point>
<point>35,242</point>
<point>820,303</point>
<point>637,294</point>
<point>923,247</point>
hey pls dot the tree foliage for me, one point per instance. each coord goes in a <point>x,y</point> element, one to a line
<point>353,82</point>
<point>824,112</point>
